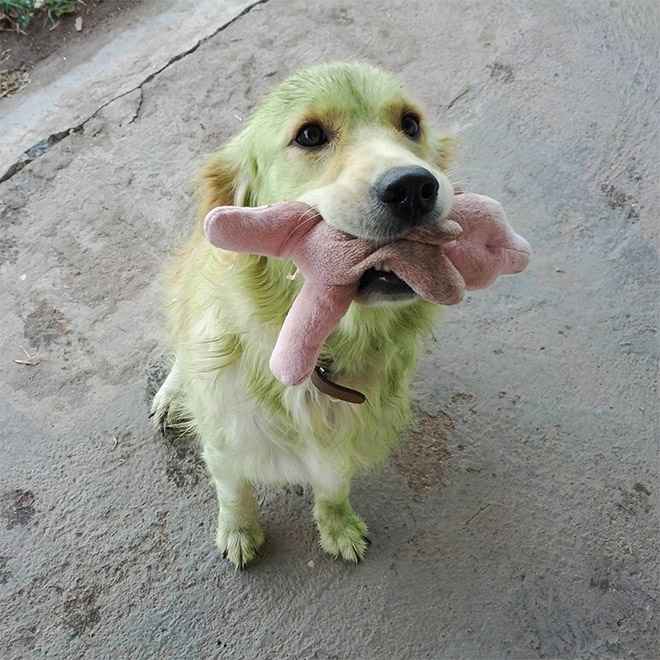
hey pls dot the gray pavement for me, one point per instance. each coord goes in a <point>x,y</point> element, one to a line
<point>521,518</point>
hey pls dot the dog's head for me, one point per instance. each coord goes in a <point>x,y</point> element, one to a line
<point>347,139</point>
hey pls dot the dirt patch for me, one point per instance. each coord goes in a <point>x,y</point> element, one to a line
<point>41,39</point>
<point>8,250</point>
<point>423,456</point>
<point>4,574</point>
<point>635,500</point>
<point>19,508</point>
<point>81,611</point>
<point>619,200</point>
<point>46,326</point>
<point>502,72</point>
<point>462,399</point>
<point>185,467</point>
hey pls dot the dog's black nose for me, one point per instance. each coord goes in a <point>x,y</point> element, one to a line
<point>408,192</point>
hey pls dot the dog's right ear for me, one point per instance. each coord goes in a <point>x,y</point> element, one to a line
<point>223,181</point>
<point>445,149</point>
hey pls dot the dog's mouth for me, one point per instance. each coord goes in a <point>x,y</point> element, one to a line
<point>382,285</point>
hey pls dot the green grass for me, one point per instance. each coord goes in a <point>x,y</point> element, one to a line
<point>17,14</point>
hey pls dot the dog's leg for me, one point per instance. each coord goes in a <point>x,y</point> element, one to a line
<point>343,533</point>
<point>165,397</point>
<point>239,534</point>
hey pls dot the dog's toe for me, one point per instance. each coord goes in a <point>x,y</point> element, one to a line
<point>239,545</point>
<point>343,536</point>
<point>159,413</point>
<point>349,547</point>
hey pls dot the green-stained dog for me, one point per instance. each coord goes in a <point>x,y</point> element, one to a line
<point>345,139</point>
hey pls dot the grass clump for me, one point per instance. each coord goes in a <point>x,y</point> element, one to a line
<point>16,15</point>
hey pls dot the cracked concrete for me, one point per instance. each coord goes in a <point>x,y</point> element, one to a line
<point>97,73</point>
<point>520,520</point>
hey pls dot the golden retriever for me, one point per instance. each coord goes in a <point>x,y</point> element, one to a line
<point>335,136</point>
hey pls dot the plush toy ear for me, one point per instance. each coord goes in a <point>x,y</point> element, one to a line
<point>445,148</point>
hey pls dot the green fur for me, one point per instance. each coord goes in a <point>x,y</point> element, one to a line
<point>341,530</point>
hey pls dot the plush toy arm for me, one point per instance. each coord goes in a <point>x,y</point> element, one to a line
<point>261,230</point>
<point>313,316</point>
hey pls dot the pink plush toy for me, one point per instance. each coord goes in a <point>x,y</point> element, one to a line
<point>439,262</point>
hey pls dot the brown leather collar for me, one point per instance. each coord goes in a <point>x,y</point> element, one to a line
<point>323,383</point>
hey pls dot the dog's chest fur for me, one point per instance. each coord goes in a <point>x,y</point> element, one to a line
<point>275,435</point>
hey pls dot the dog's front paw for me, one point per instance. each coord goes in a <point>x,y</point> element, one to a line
<point>239,545</point>
<point>343,533</point>
<point>163,408</point>
<point>160,411</point>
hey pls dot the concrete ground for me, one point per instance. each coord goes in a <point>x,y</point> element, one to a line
<point>521,518</point>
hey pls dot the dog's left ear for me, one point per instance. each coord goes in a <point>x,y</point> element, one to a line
<point>225,180</point>
<point>444,149</point>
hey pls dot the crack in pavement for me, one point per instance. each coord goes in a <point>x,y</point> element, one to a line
<point>457,98</point>
<point>136,113</point>
<point>43,146</point>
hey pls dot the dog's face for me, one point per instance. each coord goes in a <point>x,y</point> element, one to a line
<point>346,139</point>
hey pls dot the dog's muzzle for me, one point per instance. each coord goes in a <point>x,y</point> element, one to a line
<point>409,194</point>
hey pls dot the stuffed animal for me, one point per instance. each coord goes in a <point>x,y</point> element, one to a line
<point>437,261</point>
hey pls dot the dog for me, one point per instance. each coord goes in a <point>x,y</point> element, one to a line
<point>345,138</point>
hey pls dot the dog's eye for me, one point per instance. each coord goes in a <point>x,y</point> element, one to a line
<point>311,135</point>
<point>410,125</point>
